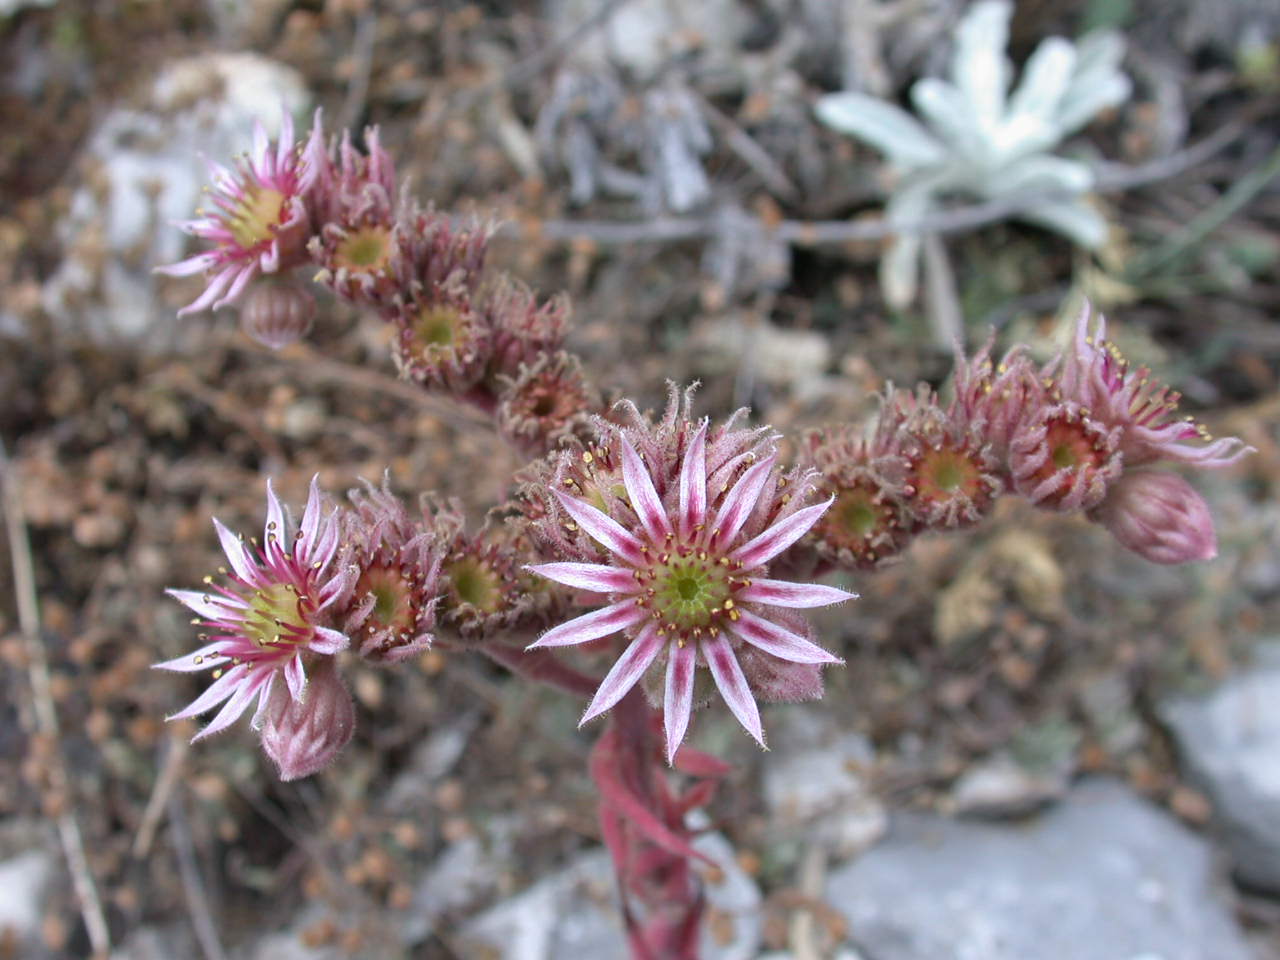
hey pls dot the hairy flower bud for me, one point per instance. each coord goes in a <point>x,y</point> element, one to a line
<point>303,736</point>
<point>278,313</point>
<point>1159,516</point>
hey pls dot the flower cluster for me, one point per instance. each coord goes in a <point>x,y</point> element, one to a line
<point>335,208</point>
<point>688,547</point>
<point>679,553</point>
<point>1074,435</point>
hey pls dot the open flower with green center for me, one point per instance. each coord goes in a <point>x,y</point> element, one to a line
<point>270,615</point>
<point>390,612</point>
<point>261,219</point>
<point>1093,373</point>
<point>688,585</point>
<point>865,471</point>
<point>357,248</point>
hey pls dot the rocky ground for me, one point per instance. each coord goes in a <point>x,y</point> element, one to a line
<point>1041,747</point>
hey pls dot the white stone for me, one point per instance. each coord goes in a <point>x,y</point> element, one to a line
<point>1101,876</point>
<point>822,793</point>
<point>573,913</point>
<point>1230,743</point>
<point>23,880</point>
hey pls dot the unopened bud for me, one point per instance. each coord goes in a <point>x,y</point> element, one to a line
<point>303,736</point>
<point>1159,516</point>
<point>278,313</point>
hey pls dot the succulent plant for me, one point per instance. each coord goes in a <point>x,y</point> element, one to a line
<point>982,140</point>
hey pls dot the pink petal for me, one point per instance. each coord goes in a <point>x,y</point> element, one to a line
<point>643,496</point>
<point>624,674</point>
<point>264,698</point>
<point>295,677</point>
<point>234,707</point>
<point>677,701</point>
<point>603,529</point>
<point>192,265</point>
<point>733,685</point>
<point>214,694</point>
<point>328,641</point>
<point>211,292</point>
<point>595,577</point>
<point>740,501</point>
<point>206,658</point>
<point>783,593</point>
<point>693,483</point>
<point>274,528</point>
<point>777,538</point>
<point>592,626</point>
<point>247,273</point>
<point>284,146</point>
<point>310,525</point>
<point>210,606</point>
<point>321,551</point>
<point>778,641</point>
<point>235,551</point>
<point>261,146</point>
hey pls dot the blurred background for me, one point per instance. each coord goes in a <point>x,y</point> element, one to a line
<point>1042,747</point>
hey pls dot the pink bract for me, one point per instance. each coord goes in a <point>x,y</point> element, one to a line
<point>688,583</point>
<point>262,219</point>
<point>269,617</point>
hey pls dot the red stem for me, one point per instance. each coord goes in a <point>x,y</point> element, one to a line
<point>543,666</point>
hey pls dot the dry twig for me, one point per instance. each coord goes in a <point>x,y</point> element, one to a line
<point>24,584</point>
<point>809,233</point>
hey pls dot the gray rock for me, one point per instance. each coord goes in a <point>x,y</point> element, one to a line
<point>1000,787</point>
<point>141,170</point>
<point>466,873</point>
<point>1230,744</point>
<point>1101,876</point>
<point>822,793</point>
<point>9,7</point>
<point>574,913</point>
<point>23,881</point>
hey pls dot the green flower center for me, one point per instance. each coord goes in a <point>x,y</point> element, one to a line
<point>365,249</point>
<point>858,514</point>
<point>269,610</point>
<point>257,216</point>
<point>691,593</point>
<point>392,601</point>
<point>475,583</point>
<point>437,326</point>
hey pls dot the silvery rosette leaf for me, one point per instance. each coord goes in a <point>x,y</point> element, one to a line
<point>978,138</point>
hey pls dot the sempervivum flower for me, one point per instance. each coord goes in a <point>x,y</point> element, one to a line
<point>442,341</point>
<point>524,330</point>
<point>262,218</point>
<point>547,402</point>
<point>994,398</point>
<point>486,591</point>
<point>357,246</point>
<point>391,609</point>
<point>270,616</point>
<point>865,473</point>
<point>686,583</point>
<point>432,253</point>
<point>1064,459</point>
<point>1093,374</point>
<point>952,476</point>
